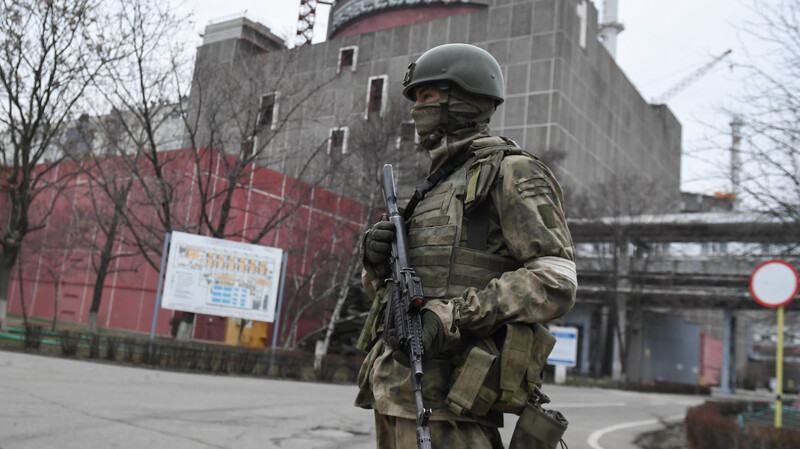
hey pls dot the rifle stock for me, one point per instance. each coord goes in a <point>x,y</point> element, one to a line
<point>403,313</point>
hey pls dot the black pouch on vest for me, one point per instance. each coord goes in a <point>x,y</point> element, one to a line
<point>538,428</point>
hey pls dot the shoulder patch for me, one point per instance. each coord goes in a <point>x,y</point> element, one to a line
<point>531,177</point>
<point>533,186</point>
<point>548,215</point>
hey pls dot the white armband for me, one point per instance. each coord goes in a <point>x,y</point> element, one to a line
<point>563,267</point>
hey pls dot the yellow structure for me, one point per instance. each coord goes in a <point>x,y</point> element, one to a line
<point>254,334</point>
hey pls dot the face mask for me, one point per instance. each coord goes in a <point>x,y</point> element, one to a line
<point>426,117</point>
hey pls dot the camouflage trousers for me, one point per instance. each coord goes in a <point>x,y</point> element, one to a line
<point>400,433</point>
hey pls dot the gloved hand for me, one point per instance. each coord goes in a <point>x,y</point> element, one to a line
<point>378,243</point>
<point>432,340</point>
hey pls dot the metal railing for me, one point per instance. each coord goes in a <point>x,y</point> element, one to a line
<point>766,417</point>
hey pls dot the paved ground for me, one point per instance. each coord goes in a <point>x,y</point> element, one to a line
<point>48,403</point>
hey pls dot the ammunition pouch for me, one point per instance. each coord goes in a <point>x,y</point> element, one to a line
<point>538,428</point>
<point>495,379</point>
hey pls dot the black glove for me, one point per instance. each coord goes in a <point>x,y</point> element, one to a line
<point>378,243</point>
<point>432,340</point>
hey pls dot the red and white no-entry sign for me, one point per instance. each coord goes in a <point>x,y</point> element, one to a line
<point>774,284</point>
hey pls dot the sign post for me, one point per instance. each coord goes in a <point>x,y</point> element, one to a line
<point>565,352</point>
<point>774,284</point>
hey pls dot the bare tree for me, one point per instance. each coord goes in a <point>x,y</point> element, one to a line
<point>144,89</point>
<point>770,112</point>
<point>229,113</point>
<point>615,256</point>
<point>51,53</point>
<point>249,115</point>
<point>380,140</point>
<point>108,192</point>
<point>47,250</point>
<point>138,179</point>
<point>57,251</point>
<point>321,278</point>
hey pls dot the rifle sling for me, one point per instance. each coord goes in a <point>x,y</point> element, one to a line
<point>478,223</point>
<point>431,181</point>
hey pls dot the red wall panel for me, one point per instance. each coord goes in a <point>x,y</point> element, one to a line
<point>316,219</point>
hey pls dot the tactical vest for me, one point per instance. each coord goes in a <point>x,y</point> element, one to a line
<point>446,243</point>
<point>438,230</point>
<point>493,374</point>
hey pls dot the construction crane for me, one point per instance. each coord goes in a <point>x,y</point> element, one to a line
<point>689,79</point>
<point>306,19</point>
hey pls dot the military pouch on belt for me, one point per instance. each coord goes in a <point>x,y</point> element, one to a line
<point>469,393</point>
<point>497,380</point>
<point>538,428</point>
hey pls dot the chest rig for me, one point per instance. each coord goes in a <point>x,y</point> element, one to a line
<point>448,221</point>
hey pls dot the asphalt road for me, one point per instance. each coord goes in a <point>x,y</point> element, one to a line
<point>50,402</point>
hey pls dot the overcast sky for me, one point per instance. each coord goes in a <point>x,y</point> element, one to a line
<point>663,42</point>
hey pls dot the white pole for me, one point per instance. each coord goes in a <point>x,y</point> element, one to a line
<point>561,374</point>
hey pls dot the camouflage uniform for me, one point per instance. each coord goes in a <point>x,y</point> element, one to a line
<point>526,224</point>
<point>399,433</point>
<point>524,274</point>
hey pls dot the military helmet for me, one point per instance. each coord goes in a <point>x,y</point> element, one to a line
<point>471,68</point>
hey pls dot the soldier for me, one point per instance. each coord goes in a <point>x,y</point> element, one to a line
<point>490,242</point>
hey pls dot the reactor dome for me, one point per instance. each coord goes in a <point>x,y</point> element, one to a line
<point>349,17</point>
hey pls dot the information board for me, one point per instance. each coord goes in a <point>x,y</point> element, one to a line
<point>222,277</point>
<point>565,351</point>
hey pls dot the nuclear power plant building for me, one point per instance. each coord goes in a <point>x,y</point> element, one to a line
<point>301,110</point>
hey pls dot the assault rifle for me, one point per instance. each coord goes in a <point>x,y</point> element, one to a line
<point>405,305</point>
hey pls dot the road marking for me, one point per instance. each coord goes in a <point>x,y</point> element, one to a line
<point>594,437</point>
<point>589,405</point>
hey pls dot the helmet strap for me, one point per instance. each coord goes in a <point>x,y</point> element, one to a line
<point>444,99</point>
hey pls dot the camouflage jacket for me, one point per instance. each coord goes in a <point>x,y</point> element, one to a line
<point>527,227</point>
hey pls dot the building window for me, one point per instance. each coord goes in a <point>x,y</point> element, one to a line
<point>348,57</point>
<point>337,143</point>
<point>408,136</point>
<point>268,111</point>
<point>247,148</point>
<point>376,94</point>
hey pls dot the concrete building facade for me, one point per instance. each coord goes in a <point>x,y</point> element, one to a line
<point>566,100</point>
